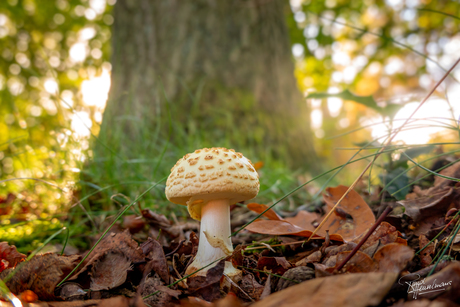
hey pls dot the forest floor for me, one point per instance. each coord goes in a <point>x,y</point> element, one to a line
<point>408,260</point>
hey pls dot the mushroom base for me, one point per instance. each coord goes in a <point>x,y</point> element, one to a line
<point>215,241</point>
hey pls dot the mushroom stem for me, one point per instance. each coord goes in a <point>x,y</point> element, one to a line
<point>215,241</point>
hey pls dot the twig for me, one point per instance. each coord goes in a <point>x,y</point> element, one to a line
<point>176,249</point>
<point>364,239</point>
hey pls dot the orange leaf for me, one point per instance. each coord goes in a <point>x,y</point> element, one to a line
<point>393,257</point>
<point>259,208</point>
<point>258,165</point>
<point>352,204</point>
<point>305,220</point>
<point>283,228</point>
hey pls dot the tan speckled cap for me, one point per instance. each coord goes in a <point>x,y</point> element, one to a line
<point>208,174</point>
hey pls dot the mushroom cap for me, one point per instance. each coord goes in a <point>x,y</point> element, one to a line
<point>209,174</point>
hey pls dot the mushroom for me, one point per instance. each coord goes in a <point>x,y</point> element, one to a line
<point>208,181</point>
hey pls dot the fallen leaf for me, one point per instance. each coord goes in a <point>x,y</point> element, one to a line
<point>9,254</point>
<point>284,228</point>
<point>446,282</point>
<point>155,219</point>
<point>133,223</point>
<point>349,290</point>
<point>425,255</point>
<point>305,219</point>
<point>259,208</point>
<point>154,251</point>
<point>339,226</point>
<point>208,286</point>
<point>162,298</point>
<point>227,301</point>
<point>359,263</point>
<point>267,288</point>
<point>41,274</point>
<point>169,291</point>
<point>393,257</point>
<point>122,301</point>
<point>277,265</point>
<point>109,271</point>
<point>426,303</point>
<point>434,203</point>
<point>295,276</point>
<point>385,233</point>
<point>251,287</point>
<point>121,243</point>
<point>193,301</point>
<point>452,171</point>
<point>28,296</point>
<point>352,204</point>
<point>72,291</point>
<point>258,165</point>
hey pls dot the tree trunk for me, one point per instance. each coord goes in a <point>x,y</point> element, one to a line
<point>224,71</point>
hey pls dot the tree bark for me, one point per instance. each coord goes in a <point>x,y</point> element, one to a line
<point>224,71</point>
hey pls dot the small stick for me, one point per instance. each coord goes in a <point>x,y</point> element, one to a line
<point>364,239</point>
<point>176,249</point>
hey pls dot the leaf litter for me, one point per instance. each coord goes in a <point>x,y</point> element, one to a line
<point>151,256</point>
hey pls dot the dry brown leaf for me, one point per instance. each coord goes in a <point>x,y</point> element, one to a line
<point>302,224</point>
<point>9,254</point>
<point>169,291</point>
<point>259,208</point>
<point>426,303</point>
<point>133,223</point>
<point>452,171</point>
<point>120,242</point>
<point>155,219</point>
<point>228,301</point>
<point>352,204</point>
<point>393,257</point>
<point>41,274</point>
<point>193,301</point>
<point>446,282</point>
<point>122,301</point>
<point>385,233</point>
<point>294,276</point>
<point>430,204</point>
<point>359,263</point>
<point>71,291</point>
<point>160,299</point>
<point>349,290</point>
<point>306,220</point>
<point>207,286</point>
<point>267,288</point>
<point>284,228</point>
<point>251,287</point>
<point>154,251</point>
<point>277,265</point>
<point>109,271</point>
<point>425,255</point>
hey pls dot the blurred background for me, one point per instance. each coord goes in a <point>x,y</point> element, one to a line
<point>99,98</point>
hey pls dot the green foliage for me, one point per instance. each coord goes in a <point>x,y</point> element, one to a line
<point>27,236</point>
<point>395,178</point>
<point>389,109</point>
